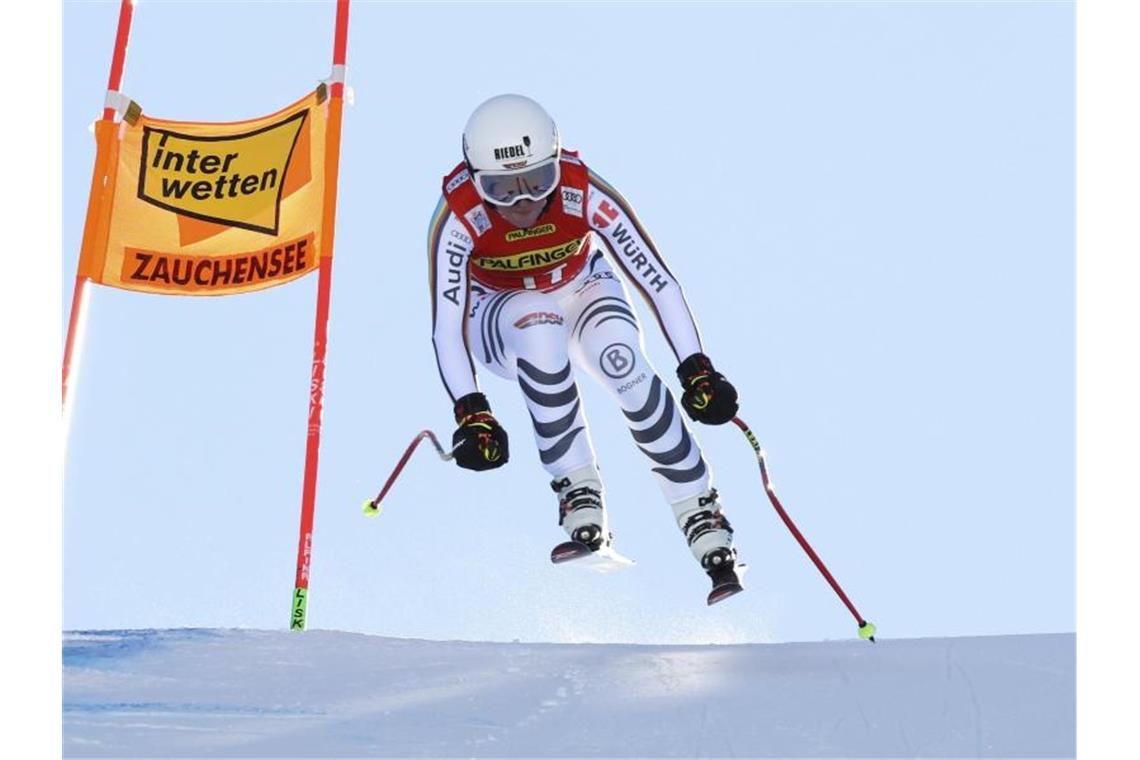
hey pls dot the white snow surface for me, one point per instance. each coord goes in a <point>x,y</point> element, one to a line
<point>252,693</point>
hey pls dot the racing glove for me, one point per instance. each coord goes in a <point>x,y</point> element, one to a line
<point>479,443</point>
<point>708,397</point>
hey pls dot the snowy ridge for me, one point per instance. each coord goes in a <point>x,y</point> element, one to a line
<point>250,693</point>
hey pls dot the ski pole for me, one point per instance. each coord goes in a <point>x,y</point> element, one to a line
<point>866,630</point>
<point>372,506</point>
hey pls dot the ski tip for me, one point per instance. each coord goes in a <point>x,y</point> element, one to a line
<point>605,560</point>
<point>569,550</point>
<point>720,593</point>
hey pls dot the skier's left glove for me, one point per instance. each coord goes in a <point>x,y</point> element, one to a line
<point>708,398</point>
<point>479,443</point>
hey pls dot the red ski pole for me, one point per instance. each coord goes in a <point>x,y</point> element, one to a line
<point>372,506</point>
<point>866,630</point>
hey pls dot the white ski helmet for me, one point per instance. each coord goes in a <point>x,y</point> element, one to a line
<point>512,149</point>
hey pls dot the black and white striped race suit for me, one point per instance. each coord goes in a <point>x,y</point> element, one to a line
<point>539,340</point>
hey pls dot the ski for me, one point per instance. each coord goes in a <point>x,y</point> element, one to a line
<point>728,586</point>
<point>722,592</point>
<point>604,560</point>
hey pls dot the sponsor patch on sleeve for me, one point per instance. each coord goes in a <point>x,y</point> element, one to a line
<point>572,201</point>
<point>458,180</point>
<point>478,218</point>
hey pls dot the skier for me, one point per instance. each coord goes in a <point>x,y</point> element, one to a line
<point>520,280</point>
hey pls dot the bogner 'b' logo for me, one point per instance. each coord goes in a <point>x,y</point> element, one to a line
<point>530,232</point>
<point>617,360</point>
<point>236,180</point>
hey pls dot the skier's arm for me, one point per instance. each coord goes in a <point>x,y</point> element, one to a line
<point>612,218</point>
<point>448,248</point>
<point>708,396</point>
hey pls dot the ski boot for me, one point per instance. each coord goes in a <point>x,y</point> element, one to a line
<point>581,514</point>
<point>709,535</point>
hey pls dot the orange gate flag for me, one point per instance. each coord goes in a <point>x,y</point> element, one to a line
<point>208,209</point>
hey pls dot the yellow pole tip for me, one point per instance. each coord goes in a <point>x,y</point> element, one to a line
<point>371,509</point>
<point>867,631</point>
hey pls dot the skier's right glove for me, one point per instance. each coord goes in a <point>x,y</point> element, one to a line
<point>708,397</point>
<point>479,443</point>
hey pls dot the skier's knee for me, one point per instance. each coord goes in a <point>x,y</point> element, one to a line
<point>532,327</point>
<point>612,352</point>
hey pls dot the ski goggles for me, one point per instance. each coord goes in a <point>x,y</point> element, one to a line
<point>506,188</point>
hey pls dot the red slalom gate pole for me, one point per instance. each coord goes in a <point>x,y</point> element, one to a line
<point>866,630</point>
<point>114,82</point>
<point>78,297</point>
<point>119,58</point>
<point>320,338</point>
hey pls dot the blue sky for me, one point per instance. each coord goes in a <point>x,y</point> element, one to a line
<point>870,206</point>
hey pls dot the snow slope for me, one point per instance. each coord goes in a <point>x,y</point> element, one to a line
<point>250,693</point>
